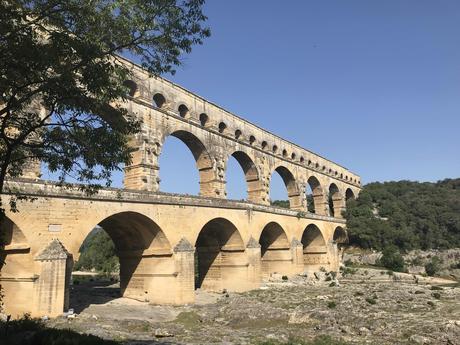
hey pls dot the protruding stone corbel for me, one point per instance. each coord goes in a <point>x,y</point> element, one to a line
<point>252,243</point>
<point>184,246</point>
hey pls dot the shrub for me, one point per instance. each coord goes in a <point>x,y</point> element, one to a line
<point>434,266</point>
<point>331,305</point>
<point>392,259</point>
<point>436,295</point>
<point>371,300</point>
<point>285,278</point>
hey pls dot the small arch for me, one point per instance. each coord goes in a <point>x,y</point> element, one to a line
<point>204,119</point>
<point>274,148</point>
<point>219,247</point>
<point>340,235</point>
<point>252,139</point>
<point>284,153</point>
<point>132,88</point>
<point>293,155</point>
<point>222,127</point>
<point>275,249</point>
<point>324,167</point>
<point>317,165</point>
<point>341,176</point>
<point>302,160</point>
<point>264,145</point>
<point>334,201</point>
<point>159,100</point>
<point>237,134</point>
<point>183,111</point>
<point>309,162</point>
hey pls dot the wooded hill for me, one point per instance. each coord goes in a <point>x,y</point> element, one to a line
<point>409,215</point>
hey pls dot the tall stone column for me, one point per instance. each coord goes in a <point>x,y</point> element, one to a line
<point>143,172</point>
<point>212,177</point>
<point>184,256</point>
<point>254,261</point>
<point>339,205</point>
<point>321,206</point>
<point>52,290</point>
<point>297,256</point>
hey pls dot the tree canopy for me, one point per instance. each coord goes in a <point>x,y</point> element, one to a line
<point>61,80</point>
<point>408,215</point>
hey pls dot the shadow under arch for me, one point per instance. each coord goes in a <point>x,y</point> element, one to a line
<point>335,201</point>
<point>314,248</point>
<point>349,195</point>
<point>317,195</point>
<point>203,159</point>
<point>291,186</point>
<point>340,236</point>
<point>251,174</point>
<point>220,256</point>
<point>275,251</point>
<point>143,251</point>
<point>16,268</point>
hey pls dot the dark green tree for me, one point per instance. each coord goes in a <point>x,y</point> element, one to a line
<point>60,76</point>
<point>98,253</point>
<point>408,215</point>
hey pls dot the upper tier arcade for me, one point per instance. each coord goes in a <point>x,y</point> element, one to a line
<point>213,135</point>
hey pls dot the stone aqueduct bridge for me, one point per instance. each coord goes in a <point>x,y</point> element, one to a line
<point>158,236</point>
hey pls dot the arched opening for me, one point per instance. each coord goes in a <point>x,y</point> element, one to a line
<point>340,235</point>
<point>183,110</point>
<point>252,186</point>
<point>131,87</point>
<point>290,186</point>
<point>274,148</point>
<point>16,269</point>
<point>334,201</point>
<point>285,153</point>
<point>237,134</point>
<point>275,250</point>
<point>179,172</point>
<point>264,145</point>
<point>252,139</point>
<point>222,127</point>
<point>220,257</point>
<point>314,195</point>
<point>314,248</point>
<point>349,195</point>
<point>125,255</point>
<point>159,100</point>
<point>204,119</point>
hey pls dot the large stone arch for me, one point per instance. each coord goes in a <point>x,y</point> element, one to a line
<point>290,182</point>
<point>275,253</point>
<point>314,248</point>
<point>317,195</point>
<point>252,176</point>
<point>205,164</point>
<point>335,201</point>
<point>220,255</point>
<point>17,276</point>
<point>144,252</point>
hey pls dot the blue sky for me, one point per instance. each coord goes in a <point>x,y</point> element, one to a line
<point>371,85</point>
